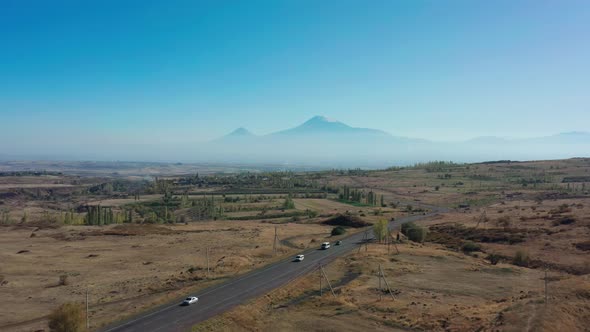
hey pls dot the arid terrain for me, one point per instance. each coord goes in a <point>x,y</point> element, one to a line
<point>432,289</point>
<point>133,242</point>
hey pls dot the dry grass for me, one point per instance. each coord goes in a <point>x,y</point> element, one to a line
<point>533,223</point>
<point>435,290</point>
<point>121,263</point>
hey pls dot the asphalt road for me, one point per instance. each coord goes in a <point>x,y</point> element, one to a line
<point>220,298</point>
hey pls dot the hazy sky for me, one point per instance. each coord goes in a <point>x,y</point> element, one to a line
<point>76,72</point>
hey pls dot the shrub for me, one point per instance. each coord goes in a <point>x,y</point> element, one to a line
<point>581,245</point>
<point>563,208</point>
<point>468,247</point>
<point>521,258</point>
<point>564,221</point>
<point>406,226</point>
<point>346,220</point>
<point>69,317</point>
<point>288,204</point>
<point>63,280</point>
<point>414,232</point>
<point>504,221</point>
<point>339,230</point>
<point>493,258</point>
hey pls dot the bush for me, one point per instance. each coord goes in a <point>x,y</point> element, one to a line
<point>406,226</point>
<point>564,221</point>
<point>504,222</point>
<point>493,258</point>
<point>339,230</point>
<point>63,280</point>
<point>468,247</point>
<point>521,258</point>
<point>414,232</point>
<point>346,220</point>
<point>69,317</point>
<point>563,208</point>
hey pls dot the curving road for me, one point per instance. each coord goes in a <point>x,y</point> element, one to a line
<point>220,298</point>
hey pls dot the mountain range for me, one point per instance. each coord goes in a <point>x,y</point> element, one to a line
<point>323,141</point>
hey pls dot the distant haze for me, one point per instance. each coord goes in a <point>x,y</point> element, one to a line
<point>326,142</point>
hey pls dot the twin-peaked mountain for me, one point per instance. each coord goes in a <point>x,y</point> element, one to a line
<point>318,127</point>
<point>322,141</point>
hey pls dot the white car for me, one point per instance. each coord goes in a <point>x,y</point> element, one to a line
<point>190,300</point>
<point>326,245</point>
<point>299,258</point>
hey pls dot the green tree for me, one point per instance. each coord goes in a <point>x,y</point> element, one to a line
<point>5,218</point>
<point>288,204</point>
<point>380,230</point>
<point>108,188</point>
<point>338,230</point>
<point>521,258</point>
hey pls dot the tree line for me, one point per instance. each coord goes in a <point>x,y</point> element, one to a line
<point>360,196</point>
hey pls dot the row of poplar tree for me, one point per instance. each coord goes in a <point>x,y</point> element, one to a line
<point>98,215</point>
<point>360,196</point>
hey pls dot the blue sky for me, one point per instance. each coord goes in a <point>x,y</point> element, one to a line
<point>142,72</point>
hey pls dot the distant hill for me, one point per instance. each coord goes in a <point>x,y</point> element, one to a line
<point>320,125</point>
<point>574,137</point>
<point>323,141</point>
<point>240,132</point>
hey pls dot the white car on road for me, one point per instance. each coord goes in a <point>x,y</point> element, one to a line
<point>299,258</point>
<point>326,245</point>
<point>190,300</point>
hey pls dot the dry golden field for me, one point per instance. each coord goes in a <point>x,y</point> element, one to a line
<point>537,209</point>
<point>127,268</point>
<point>434,290</point>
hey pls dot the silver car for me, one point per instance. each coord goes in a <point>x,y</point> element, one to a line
<point>190,300</point>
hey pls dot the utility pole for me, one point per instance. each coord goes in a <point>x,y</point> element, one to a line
<point>364,241</point>
<point>382,275</point>
<point>207,262</point>
<point>320,271</point>
<point>545,286</point>
<point>275,245</point>
<point>380,289</point>
<point>394,243</point>
<point>87,315</point>
<point>327,280</point>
